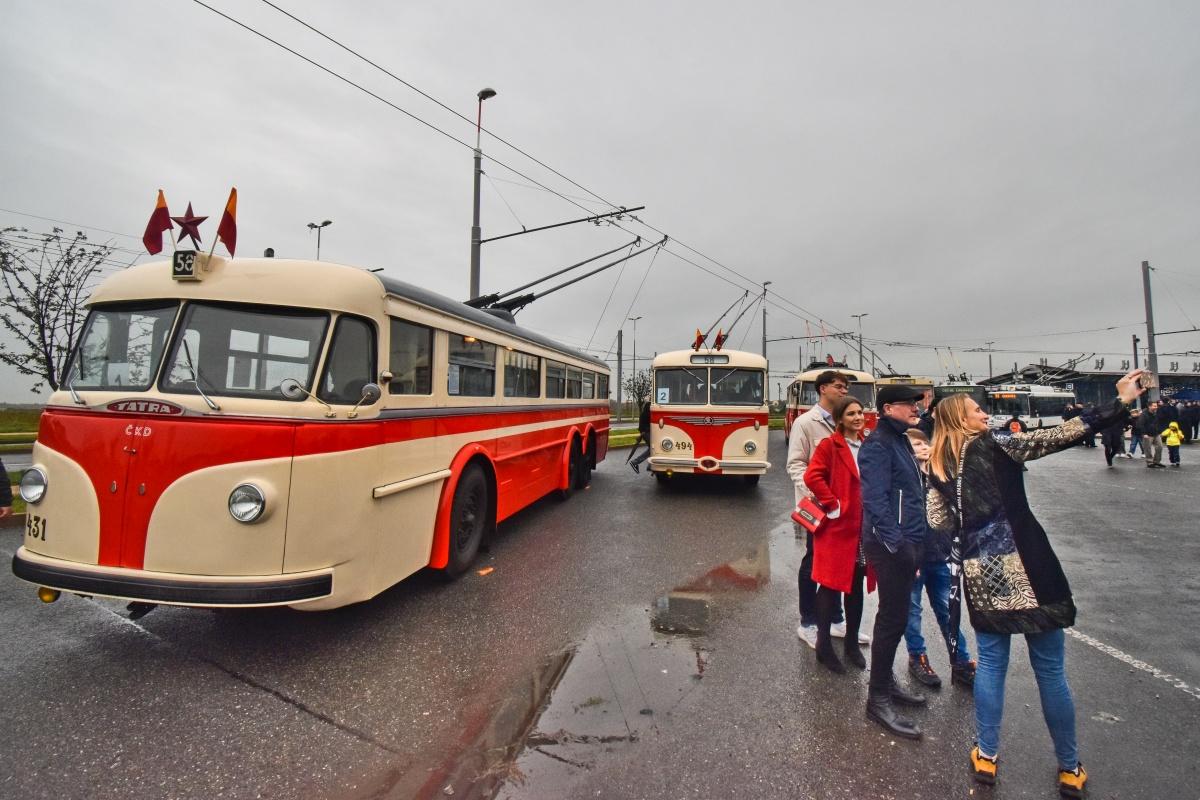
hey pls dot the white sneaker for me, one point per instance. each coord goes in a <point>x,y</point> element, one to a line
<point>838,629</point>
<point>808,635</point>
<point>864,637</point>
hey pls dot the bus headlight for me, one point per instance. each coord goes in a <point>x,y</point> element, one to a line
<point>33,485</point>
<point>666,445</point>
<point>751,448</point>
<point>247,503</point>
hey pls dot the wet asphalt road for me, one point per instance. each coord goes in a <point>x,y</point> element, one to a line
<point>629,643</point>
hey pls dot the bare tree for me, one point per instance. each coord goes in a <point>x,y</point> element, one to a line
<point>637,387</point>
<point>46,279</point>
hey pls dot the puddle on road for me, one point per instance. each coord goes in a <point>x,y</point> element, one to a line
<point>627,676</point>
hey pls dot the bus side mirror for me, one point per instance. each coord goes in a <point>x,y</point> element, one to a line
<point>292,389</point>
<point>370,396</point>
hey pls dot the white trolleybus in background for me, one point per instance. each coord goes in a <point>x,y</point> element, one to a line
<point>802,392</point>
<point>708,414</point>
<point>975,391</point>
<point>262,432</point>
<point>1035,405</point>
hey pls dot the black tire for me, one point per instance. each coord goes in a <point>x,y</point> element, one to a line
<point>750,480</point>
<point>583,475</point>
<point>468,519</point>
<point>574,467</point>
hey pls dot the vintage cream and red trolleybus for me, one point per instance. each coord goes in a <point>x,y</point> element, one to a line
<point>258,432</point>
<point>708,414</point>
<point>802,392</point>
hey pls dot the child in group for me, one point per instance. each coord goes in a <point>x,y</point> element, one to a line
<point>1173,437</point>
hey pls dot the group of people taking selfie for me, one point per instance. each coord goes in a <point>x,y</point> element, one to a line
<point>931,503</point>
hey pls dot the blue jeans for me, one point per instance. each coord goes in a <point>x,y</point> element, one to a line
<point>935,576</point>
<point>1047,656</point>
<point>1134,440</point>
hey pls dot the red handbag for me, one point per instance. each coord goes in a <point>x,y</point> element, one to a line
<point>808,515</point>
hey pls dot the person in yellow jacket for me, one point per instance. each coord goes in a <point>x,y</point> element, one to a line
<point>1173,437</point>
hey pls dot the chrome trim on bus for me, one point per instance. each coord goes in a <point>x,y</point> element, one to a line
<point>411,483</point>
<point>661,461</point>
<point>157,587</point>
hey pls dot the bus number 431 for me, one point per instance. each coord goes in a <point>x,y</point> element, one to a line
<point>35,527</point>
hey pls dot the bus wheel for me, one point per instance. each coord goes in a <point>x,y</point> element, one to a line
<point>575,466</point>
<point>468,519</point>
<point>583,475</point>
<point>750,480</point>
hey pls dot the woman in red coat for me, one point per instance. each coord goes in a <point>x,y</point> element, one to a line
<point>838,562</point>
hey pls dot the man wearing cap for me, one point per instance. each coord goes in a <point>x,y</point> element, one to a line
<point>893,540</point>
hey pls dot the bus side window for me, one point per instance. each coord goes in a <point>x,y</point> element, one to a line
<point>410,358</point>
<point>351,362</point>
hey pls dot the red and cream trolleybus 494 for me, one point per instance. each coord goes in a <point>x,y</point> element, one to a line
<point>262,432</point>
<point>708,414</point>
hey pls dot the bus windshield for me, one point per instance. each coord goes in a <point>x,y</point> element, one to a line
<point>244,351</point>
<point>736,387</point>
<point>1007,404</point>
<point>863,392</point>
<point>681,385</point>
<point>121,346</point>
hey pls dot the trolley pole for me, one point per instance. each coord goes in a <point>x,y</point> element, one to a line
<point>1152,352</point>
<point>764,302</point>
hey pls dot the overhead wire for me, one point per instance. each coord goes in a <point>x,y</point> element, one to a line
<point>611,292</point>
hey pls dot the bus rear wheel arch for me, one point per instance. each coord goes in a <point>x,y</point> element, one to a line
<point>578,476</point>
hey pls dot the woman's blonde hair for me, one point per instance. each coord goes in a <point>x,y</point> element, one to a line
<point>950,431</point>
<point>839,410</point>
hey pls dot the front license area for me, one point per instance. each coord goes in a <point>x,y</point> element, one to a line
<point>35,527</point>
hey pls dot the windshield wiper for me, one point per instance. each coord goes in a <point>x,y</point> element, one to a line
<point>187,353</point>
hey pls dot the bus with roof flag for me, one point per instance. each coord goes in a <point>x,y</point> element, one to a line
<point>238,432</point>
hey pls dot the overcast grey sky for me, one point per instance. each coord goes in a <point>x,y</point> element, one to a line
<point>960,173</point>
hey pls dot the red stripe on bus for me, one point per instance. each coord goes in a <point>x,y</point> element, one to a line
<point>708,439</point>
<point>131,460</point>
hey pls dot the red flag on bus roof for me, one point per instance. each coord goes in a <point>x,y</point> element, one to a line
<point>720,340</point>
<point>227,232</point>
<point>699,340</point>
<point>160,223</point>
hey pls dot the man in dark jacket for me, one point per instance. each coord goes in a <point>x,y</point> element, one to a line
<point>893,539</point>
<point>1150,428</point>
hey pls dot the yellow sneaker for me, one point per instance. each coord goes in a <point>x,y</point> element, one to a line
<point>982,767</point>
<point>1072,784</point>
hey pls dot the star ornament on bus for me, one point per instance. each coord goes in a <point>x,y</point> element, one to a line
<point>189,226</point>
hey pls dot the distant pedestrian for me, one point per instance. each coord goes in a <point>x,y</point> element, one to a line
<point>1173,436</point>
<point>1015,425</point>
<point>6,496</point>
<point>1151,432</point>
<point>643,438</point>
<point>1135,437</point>
<point>1190,421</point>
<point>1089,440</point>
<point>1014,583</point>
<point>838,562</point>
<point>1113,439</point>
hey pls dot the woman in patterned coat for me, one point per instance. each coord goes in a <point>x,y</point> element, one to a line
<point>1013,580</point>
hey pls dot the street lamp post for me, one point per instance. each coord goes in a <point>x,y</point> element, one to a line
<point>989,347</point>
<point>633,372</point>
<point>860,348</point>
<point>312,226</point>
<point>476,234</point>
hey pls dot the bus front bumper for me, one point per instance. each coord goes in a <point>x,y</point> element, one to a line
<point>170,588</point>
<point>708,464</point>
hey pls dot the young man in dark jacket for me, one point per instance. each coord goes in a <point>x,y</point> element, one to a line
<point>893,539</point>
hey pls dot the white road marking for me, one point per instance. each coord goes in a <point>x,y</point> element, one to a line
<point>1136,663</point>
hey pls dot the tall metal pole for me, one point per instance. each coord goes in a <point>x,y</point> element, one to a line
<point>1141,402</point>
<point>1152,353</point>
<point>989,345</point>
<point>764,302</point>
<point>634,371</point>
<point>476,233</point>
<point>860,347</point>
<point>620,346</point>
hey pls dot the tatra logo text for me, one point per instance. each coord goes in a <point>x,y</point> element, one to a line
<point>145,407</point>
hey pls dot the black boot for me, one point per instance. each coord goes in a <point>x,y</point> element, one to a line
<point>852,653</point>
<point>879,709</point>
<point>825,654</point>
<point>904,697</point>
